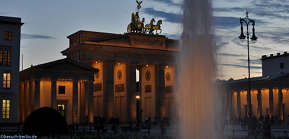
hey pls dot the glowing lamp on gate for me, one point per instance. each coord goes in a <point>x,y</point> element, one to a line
<point>137,97</point>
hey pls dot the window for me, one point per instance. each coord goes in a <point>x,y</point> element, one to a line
<point>6,83</point>
<point>61,109</point>
<point>281,65</point>
<point>6,109</point>
<point>61,90</point>
<point>8,36</point>
<point>5,57</point>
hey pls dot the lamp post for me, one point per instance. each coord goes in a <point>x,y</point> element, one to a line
<point>247,21</point>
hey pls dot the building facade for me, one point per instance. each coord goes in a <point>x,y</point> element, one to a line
<point>64,85</point>
<point>10,29</point>
<point>275,64</point>
<point>269,95</point>
<point>118,59</point>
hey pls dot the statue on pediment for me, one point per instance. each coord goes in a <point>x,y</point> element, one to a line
<point>138,26</point>
<point>149,27</point>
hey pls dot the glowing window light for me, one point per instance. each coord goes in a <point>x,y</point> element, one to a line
<point>6,109</point>
<point>6,80</point>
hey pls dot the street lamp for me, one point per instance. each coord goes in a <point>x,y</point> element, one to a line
<point>246,20</point>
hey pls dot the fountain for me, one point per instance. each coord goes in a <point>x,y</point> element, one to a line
<point>198,104</point>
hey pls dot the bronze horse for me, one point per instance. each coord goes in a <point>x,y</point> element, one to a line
<point>150,28</point>
<point>158,26</point>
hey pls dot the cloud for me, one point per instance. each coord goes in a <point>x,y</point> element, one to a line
<point>230,54</point>
<point>240,66</point>
<point>262,48</point>
<point>234,9</point>
<point>169,2</point>
<point>226,22</point>
<point>173,36</point>
<point>170,17</point>
<point>261,8</point>
<point>252,61</point>
<point>220,21</point>
<point>276,8</point>
<point>280,35</point>
<point>35,36</point>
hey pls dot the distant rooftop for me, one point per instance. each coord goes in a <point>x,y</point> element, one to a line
<point>10,20</point>
<point>259,78</point>
<point>265,57</point>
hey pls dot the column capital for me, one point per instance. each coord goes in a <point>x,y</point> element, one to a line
<point>53,77</point>
<point>161,65</point>
<point>53,93</point>
<point>75,78</point>
<point>131,63</point>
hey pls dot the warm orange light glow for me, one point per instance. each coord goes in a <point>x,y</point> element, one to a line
<point>167,66</point>
<point>137,97</point>
<point>147,65</point>
<point>6,80</point>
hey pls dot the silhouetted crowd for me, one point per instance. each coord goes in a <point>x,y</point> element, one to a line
<point>112,125</point>
<point>257,126</point>
<point>261,127</point>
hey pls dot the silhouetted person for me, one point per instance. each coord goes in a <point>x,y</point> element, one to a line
<point>148,125</point>
<point>163,126</point>
<point>252,125</point>
<point>267,128</point>
<point>114,124</point>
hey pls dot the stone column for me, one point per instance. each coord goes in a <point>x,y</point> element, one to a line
<point>271,104</point>
<point>82,110</point>
<point>37,94</point>
<point>259,98</point>
<point>249,103</point>
<point>25,102</point>
<point>131,89</point>
<point>225,97</point>
<point>108,88</point>
<point>280,102</point>
<point>75,101</point>
<point>28,97</point>
<point>230,105</point>
<point>229,110</point>
<point>160,89</point>
<point>140,103</point>
<point>53,93</point>
<point>30,104</point>
<point>238,103</point>
<point>90,100</point>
